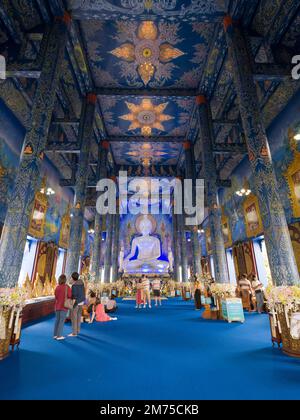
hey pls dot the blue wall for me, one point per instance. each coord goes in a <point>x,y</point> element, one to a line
<point>11,141</point>
<point>278,135</point>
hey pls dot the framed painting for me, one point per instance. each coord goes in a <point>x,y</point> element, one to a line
<point>38,216</point>
<point>208,241</point>
<point>226,231</point>
<point>253,221</point>
<point>292,176</point>
<point>64,236</point>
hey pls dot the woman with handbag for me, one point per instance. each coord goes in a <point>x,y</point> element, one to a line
<point>63,303</point>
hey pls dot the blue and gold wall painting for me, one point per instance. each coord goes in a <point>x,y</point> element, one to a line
<point>285,151</point>
<point>11,140</point>
<point>147,52</point>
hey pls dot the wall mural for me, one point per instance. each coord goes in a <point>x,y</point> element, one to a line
<point>46,226</point>
<point>285,151</point>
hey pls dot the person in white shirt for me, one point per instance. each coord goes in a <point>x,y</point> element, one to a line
<point>156,285</point>
<point>146,291</point>
<point>258,289</point>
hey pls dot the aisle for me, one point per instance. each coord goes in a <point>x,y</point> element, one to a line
<point>162,353</point>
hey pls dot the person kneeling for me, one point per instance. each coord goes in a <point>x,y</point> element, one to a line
<point>100,314</point>
<point>111,306</point>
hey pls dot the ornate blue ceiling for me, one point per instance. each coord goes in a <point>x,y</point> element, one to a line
<point>148,44</point>
<point>147,53</point>
<point>140,116</point>
<point>149,9</point>
<point>146,154</point>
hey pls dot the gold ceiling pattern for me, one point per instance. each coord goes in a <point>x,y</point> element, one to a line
<point>146,116</point>
<point>147,51</point>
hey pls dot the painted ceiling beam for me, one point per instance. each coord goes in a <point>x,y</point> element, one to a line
<point>282,20</point>
<point>224,183</point>
<point>230,148</point>
<point>65,121</point>
<point>275,72</point>
<point>145,92</point>
<point>6,15</point>
<point>27,71</point>
<point>74,121</point>
<point>233,123</point>
<point>63,147</point>
<point>152,139</point>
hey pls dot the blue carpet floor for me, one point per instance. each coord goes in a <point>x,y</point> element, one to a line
<point>158,353</point>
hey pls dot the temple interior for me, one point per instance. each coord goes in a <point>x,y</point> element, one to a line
<point>152,148</point>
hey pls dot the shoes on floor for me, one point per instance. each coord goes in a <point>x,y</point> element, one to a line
<point>60,338</point>
<point>72,335</point>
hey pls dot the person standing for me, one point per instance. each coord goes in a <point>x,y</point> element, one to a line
<point>259,293</point>
<point>197,295</point>
<point>245,291</point>
<point>62,292</point>
<point>78,295</point>
<point>146,291</point>
<point>139,293</point>
<point>156,285</point>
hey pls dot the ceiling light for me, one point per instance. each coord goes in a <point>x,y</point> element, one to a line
<point>297,137</point>
<point>243,192</point>
<point>50,191</point>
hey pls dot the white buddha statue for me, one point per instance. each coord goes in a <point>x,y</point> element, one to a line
<point>148,250</point>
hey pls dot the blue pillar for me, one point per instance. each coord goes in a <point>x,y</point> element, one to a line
<point>196,251</point>
<point>183,246</point>
<point>27,178</point>
<point>108,248</point>
<point>215,214</point>
<point>115,246</point>
<point>278,242</point>
<point>176,246</point>
<point>85,136</point>
<point>190,173</point>
<point>99,219</point>
<point>108,244</point>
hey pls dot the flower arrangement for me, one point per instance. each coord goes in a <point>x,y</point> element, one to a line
<point>288,296</point>
<point>13,297</point>
<point>223,290</point>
